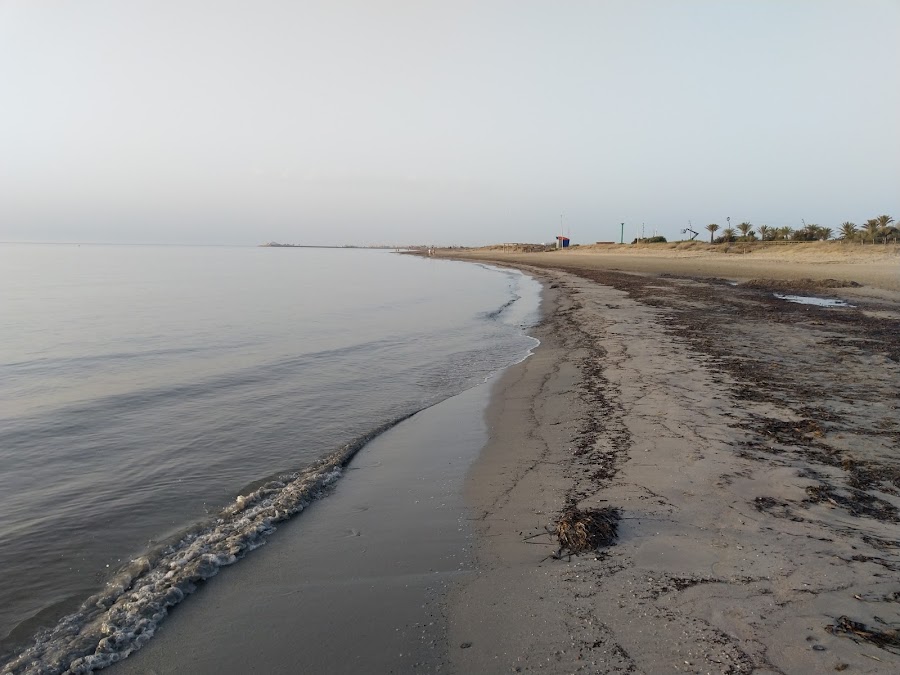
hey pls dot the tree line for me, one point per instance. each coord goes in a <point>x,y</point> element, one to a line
<point>875,230</point>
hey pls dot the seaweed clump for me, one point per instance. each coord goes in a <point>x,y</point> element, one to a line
<point>888,639</point>
<point>582,531</point>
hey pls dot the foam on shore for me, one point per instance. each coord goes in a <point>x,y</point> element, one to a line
<point>126,613</point>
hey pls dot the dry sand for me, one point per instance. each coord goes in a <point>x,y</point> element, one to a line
<point>752,445</point>
<point>877,268</point>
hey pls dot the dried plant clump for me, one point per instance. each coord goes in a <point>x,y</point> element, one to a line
<point>582,531</point>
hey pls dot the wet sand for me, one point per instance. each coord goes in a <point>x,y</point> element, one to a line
<point>753,447</point>
<point>355,583</point>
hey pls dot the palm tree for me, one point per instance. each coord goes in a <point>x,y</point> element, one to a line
<point>785,232</point>
<point>712,227</point>
<point>884,226</point>
<point>884,221</point>
<point>872,226</point>
<point>848,230</point>
<point>745,229</point>
<point>728,234</point>
<point>764,232</point>
<point>825,233</point>
<point>812,232</point>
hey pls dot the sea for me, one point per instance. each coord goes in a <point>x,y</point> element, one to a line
<point>163,408</point>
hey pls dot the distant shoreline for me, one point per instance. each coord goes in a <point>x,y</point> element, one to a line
<point>275,244</point>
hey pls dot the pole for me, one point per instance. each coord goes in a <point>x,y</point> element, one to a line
<point>622,234</point>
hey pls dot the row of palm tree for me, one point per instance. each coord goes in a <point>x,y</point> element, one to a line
<point>875,229</point>
<point>882,228</point>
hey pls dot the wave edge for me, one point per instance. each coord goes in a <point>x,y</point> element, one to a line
<point>124,616</point>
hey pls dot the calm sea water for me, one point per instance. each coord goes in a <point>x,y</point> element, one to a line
<point>145,388</point>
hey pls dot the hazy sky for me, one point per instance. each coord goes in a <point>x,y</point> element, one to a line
<point>445,122</point>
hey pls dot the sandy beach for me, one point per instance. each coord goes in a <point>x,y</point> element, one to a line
<point>876,268</point>
<point>750,443</point>
<point>450,337</point>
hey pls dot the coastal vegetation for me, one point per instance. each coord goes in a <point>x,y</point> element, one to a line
<point>881,229</point>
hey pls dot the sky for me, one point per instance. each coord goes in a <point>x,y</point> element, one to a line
<point>466,123</point>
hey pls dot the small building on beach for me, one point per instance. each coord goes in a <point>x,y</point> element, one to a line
<point>562,242</point>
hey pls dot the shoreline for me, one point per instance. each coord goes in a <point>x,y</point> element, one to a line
<point>186,543</point>
<point>748,442</point>
<point>359,581</point>
<point>750,446</point>
<point>356,583</point>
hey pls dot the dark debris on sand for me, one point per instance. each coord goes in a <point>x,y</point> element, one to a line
<point>888,638</point>
<point>800,284</point>
<point>583,531</point>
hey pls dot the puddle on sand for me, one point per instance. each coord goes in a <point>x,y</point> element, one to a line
<point>810,300</point>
